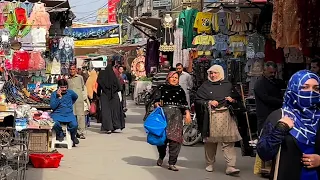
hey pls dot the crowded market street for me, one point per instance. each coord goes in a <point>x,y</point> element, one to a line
<point>127,155</point>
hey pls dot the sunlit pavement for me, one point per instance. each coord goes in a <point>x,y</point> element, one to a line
<point>127,156</point>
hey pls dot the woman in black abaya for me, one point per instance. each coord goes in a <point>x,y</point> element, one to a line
<point>112,116</point>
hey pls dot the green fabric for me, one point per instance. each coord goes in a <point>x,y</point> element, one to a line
<point>186,22</point>
<point>13,26</point>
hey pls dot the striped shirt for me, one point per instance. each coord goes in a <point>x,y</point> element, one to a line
<point>160,78</point>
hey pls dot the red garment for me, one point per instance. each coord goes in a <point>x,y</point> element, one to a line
<point>20,61</point>
<point>21,16</point>
<point>273,54</point>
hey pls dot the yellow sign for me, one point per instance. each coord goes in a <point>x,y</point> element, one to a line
<point>97,42</point>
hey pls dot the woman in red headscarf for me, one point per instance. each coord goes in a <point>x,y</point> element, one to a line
<point>172,98</point>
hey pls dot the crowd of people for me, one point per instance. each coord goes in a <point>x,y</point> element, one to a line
<point>105,89</point>
<point>288,116</point>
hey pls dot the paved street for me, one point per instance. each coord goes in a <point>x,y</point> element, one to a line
<point>126,155</point>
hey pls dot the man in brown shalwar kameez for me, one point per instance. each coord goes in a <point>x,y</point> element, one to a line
<point>76,83</point>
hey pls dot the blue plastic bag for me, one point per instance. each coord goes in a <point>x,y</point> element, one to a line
<point>155,126</point>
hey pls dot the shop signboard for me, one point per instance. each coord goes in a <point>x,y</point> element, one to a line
<point>100,35</point>
<point>112,11</point>
<point>161,4</point>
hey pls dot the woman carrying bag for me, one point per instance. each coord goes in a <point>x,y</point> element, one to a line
<point>172,99</point>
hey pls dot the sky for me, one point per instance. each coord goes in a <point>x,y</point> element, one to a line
<point>86,10</point>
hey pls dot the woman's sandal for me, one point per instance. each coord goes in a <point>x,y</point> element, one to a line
<point>159,162</point>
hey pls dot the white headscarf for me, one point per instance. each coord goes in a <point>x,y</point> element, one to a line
<point>216,68</point>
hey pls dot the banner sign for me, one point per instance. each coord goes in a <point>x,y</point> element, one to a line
<point>112,11</point>
<point>95,35</point>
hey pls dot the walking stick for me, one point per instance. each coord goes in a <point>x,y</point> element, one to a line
<point>246,113</point>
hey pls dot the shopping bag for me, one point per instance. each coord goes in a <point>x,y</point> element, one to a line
<point>155,126</point>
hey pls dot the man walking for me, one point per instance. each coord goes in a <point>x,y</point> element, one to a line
<point>268,93</point>
<point>185,81</point>
<point>315,66</point>
<point>76,84</point>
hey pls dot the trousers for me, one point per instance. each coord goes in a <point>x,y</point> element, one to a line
<point>72,127</point>
<point>81,123</point>
<point>228,152</point>
<point>174,150</point>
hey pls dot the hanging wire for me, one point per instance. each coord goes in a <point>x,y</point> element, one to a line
<point>87,3</point>
<point>90,14</point>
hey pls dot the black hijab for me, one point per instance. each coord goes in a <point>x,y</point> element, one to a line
<point>108,82</point>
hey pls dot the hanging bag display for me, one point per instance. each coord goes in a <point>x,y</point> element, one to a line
<point>155,126</point>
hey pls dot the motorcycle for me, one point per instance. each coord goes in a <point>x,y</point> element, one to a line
<point>191,134</point>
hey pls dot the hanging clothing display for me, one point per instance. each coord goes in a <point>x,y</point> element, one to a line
<point>293,55</point>
<point>238,45</point>
<point>203,22</point>
<point>204,44</point>
<point>265,18</point>
<point>3,14</point>
<point>39,16</point>
<point>180,55</point>
<point>309,16</point>
<point>36,62</point>
<point>186,22</point>
<point>167,40</point>
<point>28,6</point>
<point>238,21</point>
<point>255,46</point>
<point>16,20</point>
<point>39,38</point>
<point>5,44</point>
<point>66,47</point>
<point>285,24</point>
<point>221,45</point>
<point>221,22</point>
<point>20,61</point>
<point>152,55</point>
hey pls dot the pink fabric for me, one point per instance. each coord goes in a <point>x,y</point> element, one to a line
<point>39,17</point>
<point>36,61</point>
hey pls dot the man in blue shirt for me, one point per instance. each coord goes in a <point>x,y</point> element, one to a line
<point>61,103</point>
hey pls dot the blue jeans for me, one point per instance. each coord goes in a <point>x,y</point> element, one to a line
<point>72,127</point>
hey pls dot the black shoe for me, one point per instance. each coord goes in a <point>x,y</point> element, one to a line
<point>109,132</point>
<point>78,135</point>
<point>159,162</point>
<point>75,141</point>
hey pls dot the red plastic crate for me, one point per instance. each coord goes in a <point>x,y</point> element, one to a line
<point>46,160</point>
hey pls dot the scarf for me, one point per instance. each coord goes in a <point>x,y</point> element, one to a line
<point>302,108</point>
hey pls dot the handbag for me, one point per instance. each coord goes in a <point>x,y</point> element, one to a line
<point>93,108</point>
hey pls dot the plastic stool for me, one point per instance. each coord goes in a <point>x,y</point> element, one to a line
<point>67,139</point>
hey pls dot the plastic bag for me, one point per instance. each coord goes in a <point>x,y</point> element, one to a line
<point>155,126</point>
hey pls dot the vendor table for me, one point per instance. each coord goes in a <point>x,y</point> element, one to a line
<point>139,89</point>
